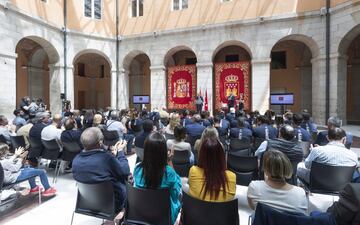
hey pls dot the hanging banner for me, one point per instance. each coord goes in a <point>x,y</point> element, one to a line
<point>182,87</point>
<point>232,78</point>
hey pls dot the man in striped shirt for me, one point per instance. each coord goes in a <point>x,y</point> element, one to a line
<point>333,154</point>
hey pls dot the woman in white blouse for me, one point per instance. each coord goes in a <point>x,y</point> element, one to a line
<point>274,191</point>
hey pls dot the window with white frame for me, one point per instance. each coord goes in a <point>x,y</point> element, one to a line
<point>137,8</point>
<point>92,9</point>
<point>179,4</point>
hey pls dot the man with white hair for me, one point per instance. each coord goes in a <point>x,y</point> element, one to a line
<point>95,165</point>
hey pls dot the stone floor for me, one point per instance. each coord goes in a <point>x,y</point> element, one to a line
<point>58,210</point>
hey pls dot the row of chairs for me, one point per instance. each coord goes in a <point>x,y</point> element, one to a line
<point>149,206</point>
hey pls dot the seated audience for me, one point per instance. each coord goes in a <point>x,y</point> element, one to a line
<point>274,190</point>
<point>95,165</point>
<point>70,134</point>
<point>346,210</point>
<point>15,172</point>
<point>332,122</point>
<point>186,120</point>
<point>286,143</point>
<point>210,180</point>
<point>333,154</point>
<point>155,171</point>
<point>263,129</point>
<point>179,144</point>
<point>241,132</point>
<point>209,132</point>
<point>195,129</point>
<point>221,126</point>
<point>6,130</point>
<point>308,124</point>
<point>18,121</point>
<point>300,133</point>
<point>98,121</point>
<point>53,131</point>
<point>204,119</point>
<point>25,130</point>
<point>148,127</point>
<point>230,116</point>
<point>174,121</point>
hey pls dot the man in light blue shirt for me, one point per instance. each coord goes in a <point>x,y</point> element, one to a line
<point>333,154</point>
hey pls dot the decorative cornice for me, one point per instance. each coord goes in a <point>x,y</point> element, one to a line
<point>204,65</point>
<point>157,68</point>
<point>261,61</point>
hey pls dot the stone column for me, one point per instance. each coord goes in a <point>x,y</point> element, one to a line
<point>123,92</point>
<point>338,83</point>
<point>70,89</point>
<point>113,87</point>
<point>8,83</point>
<point>158,87</point>
<point>318,89</point>
<point>205,82</point>
<point>55,81</point>
<point>260,88</point>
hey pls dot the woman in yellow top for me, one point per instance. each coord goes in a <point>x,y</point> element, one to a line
<point>210,180</point>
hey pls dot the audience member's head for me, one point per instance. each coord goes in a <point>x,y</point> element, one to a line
<point>277,166</point>
<point>241,122</point>
<point>196,118</point>
<point>279,120</point>
<point>287,132</point>
<point>3,120</point>
<point>262,120</point>
<point>216,119</point>
<point>333,122</point>
<point>18,112</point>
<point>92,138</point>
<point>69,124</point>
<point>4,150</point>
<point>203,115</point>
<point>212,161</point>
<point>42,117</point>
<point>232,110</point>
<point>57,119</point>
<point>174,120</point>
<point>148,125</point>
<point>155,159</point>
<point>97,120</point>
<point>306,116</point>
<point>180,133</point>
<point>336,134</point>
<point>114,115</point>
<point>298,119</point>
<point>209,132</point>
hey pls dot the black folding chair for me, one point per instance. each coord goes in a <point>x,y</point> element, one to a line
<point>96,200</point>
<point>181,162</point>
<point>70,150</point>
<point>18,141</point>
<point>147,206</point>
<point>52,151</point>
<point>245,168</point>
<point>169,136</point>
<point>241,147</point>
<point>36,148</point>
<point>198,212</point>
<point>325,179</point>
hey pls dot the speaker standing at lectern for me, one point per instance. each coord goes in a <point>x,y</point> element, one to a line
<point>231,101</point>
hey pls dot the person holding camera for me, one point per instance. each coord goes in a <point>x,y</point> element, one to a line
<point>95,164</point>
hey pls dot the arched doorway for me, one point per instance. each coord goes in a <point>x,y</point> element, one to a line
<point>181,77</point>
<point>231,59</point>
<point>92,80</point>
<point>138,66</point>
<point>291,72</point>
<point>34,55</point>
<point>353,82</point>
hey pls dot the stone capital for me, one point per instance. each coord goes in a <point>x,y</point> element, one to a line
<point>204,65</point>
<point>159,67</point>
<point>261,61</point>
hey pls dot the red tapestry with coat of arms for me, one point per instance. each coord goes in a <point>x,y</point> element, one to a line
<point>232,78</point>
<point>181,87</point>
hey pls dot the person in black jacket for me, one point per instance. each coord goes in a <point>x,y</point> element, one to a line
<point>347,210</point>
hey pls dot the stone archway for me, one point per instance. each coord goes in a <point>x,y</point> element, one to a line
<point>92,80</point>
<point>137,66</point>
<point>34,71</point>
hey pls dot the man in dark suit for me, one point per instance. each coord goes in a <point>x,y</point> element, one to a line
<point>199,101</point>
<point>148,127</point>
<point>264,130</point>
<point>195,129</point>
<point>241,131</point>
<point>231,101</point>
<point>185,120</point>
<point>300,133</point>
